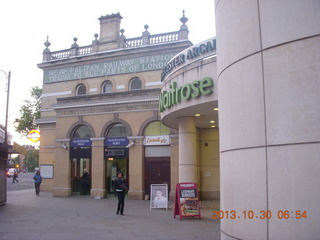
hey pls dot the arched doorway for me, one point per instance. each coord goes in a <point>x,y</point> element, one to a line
<point>116,154</point>
<point>80,155</point>
<point>157,155</point>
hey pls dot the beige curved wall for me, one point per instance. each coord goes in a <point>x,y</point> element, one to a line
<point>269,112</point>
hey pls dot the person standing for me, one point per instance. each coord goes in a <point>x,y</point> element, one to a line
<point>120,188</point>
<point>15,175</point>
<point>85,181</point>
<point>37,181</point>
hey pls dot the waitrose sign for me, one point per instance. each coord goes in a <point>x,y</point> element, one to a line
<point>176,95</point>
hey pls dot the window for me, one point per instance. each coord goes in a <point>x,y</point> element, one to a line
<point>156,128</point>
<point>81,90</point>
<point>82,132</point>
<point>118,130</point>
<point>107,87</point>
<point>135,84</point>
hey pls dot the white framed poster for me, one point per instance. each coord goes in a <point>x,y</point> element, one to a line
<point>159,196</point>
<point>46,171</point>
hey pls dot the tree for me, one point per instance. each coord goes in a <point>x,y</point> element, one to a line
<point>31,160</point>
<point>29,111</point>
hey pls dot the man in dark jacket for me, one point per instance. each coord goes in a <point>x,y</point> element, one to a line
<point>15,175</point>
<point>120,188</point>
<point>85,181</point>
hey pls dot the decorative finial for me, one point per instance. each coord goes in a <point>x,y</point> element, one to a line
<point>47,43</point>
<point>95,41</point>
<point>46,50</point>
<point>146,32</point>
<point>75,45</point>
<point>183,19</point>
<point>122,31</point>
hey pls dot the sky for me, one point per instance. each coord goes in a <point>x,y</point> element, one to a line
<point>25,25</point>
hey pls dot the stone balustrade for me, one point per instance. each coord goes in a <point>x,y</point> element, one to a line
<point>129,43</point>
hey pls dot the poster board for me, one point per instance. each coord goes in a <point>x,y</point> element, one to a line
<point>159,196</point>
<point>186,203</point>
<point>46,171</point>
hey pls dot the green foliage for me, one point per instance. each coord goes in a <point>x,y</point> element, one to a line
<point>15,161</point>
<point>31,160</point>
<point>29,112</point>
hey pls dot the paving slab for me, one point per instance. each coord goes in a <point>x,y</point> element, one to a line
<point>30,217</point>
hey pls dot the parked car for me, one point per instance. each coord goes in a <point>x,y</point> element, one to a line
<point>10,172</point>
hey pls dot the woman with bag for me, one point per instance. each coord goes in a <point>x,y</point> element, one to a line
<point>120,188</point>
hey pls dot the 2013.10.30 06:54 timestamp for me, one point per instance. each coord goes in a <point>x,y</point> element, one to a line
<point>263,214</point>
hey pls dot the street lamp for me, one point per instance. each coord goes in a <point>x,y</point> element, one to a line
<point>7,108</point>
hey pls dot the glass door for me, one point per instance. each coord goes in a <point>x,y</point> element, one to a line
<point>115,164</point>
<point>77,170</point>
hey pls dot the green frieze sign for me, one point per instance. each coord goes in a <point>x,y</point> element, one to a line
<point>108,68</point>
<point>197,88</point>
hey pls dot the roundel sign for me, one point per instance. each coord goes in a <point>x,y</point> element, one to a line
<point>34,135</point>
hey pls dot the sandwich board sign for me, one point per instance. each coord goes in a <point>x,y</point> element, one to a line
<point>186,203</point>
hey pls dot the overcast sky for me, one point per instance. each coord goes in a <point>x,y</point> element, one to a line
<point>25,25</point>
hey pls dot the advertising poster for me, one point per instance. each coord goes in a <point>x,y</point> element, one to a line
<point>159,196</point>
<point>187,200</point>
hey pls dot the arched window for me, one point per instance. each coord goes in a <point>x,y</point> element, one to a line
<point>82,132</point>
<point>118,130</point>
<point>135,84</point>
<point>107,87</point>
<point>156,128</point>
<point>81,90</point>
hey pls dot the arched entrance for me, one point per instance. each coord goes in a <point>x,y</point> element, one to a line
<point>157,155</point>
<point>80,155</point>
<point>116,154</point>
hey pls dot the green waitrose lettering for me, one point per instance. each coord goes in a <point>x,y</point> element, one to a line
<point>176,94</point>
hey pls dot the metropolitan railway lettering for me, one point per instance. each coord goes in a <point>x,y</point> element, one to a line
<point>148,63</point>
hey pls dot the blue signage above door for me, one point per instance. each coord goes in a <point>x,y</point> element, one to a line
<point>81,142</point>
<point>116,141</point>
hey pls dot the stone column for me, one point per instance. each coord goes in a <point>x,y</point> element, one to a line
<point>62,182</point>
<point>174,164</point>
<point>98,172</point>
<point>187,150</point>
<point>136,169</point>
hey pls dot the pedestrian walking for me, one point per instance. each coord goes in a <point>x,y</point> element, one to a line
<point>120,188</point>
<point>15,176</point>
<point>37,181</point>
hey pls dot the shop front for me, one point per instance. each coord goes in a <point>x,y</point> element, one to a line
<point>189,103</point>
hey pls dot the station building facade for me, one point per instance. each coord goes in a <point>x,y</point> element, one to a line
<point>100,112</point>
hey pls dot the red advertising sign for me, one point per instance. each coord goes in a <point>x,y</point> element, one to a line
<point>186,203</point>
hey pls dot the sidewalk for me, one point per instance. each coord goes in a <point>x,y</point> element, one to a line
<point>30,217</point>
